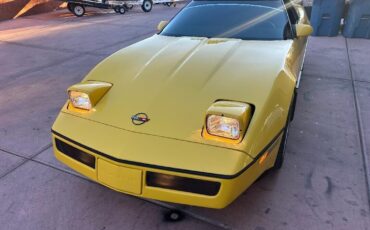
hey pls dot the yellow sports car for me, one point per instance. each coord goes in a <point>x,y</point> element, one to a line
<point>194,114</point>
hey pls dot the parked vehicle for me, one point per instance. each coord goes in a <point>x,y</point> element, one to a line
<point>194,114</point>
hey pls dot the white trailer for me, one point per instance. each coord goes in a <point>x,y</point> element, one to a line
<point>77,7</point>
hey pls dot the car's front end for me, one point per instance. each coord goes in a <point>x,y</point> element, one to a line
<point>156,167</point>
<point>185,119</point>
<point>172,153</point>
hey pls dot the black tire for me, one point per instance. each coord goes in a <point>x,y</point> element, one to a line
<point>282,149</point>
<point>147,6</point>
<point>122,10</point>
<point>78,10</point>
<point>168,4</point>
<point>116,9</point>
<point>293,105</point>
<point>70,7</point>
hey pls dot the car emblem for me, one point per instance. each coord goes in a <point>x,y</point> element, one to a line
<point>140,118</point>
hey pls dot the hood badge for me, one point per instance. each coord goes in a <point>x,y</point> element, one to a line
<point>139,118</point>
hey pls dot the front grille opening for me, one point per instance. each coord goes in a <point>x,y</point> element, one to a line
<point>184,184</point>
<point>75,153</point>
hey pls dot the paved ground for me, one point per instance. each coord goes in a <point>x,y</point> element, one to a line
<point>321,186</point>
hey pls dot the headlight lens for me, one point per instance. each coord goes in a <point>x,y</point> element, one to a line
<point>223,127</point>
<point>80,100</point>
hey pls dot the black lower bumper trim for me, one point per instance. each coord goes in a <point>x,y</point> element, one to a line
<point>185,184</point>
<point>75,153</point>
<point>214,175</point>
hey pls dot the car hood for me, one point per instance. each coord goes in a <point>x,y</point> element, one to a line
<point>174,80</point>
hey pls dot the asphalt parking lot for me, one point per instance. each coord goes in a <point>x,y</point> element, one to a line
<point>321,186</point>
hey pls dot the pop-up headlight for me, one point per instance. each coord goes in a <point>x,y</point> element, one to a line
<point>227,121</point>
<point>87,94</point>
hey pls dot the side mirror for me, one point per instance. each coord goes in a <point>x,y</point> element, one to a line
<point>161,25</point>
<point>303,30</point>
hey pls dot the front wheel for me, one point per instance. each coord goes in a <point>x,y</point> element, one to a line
<point>282,149</point>
<point>78,10</point>
<point>147,6</point>
<point>122,10</point>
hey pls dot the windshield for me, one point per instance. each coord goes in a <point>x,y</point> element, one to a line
<point>247,20</point>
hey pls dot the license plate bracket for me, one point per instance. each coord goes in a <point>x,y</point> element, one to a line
<point>120,178</point>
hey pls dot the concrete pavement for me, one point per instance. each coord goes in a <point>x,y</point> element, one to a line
<point>321,186</point>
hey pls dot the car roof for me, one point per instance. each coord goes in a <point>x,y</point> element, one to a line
<point>269,3</point>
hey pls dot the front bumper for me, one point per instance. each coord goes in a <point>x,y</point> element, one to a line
<point>136,177</point>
